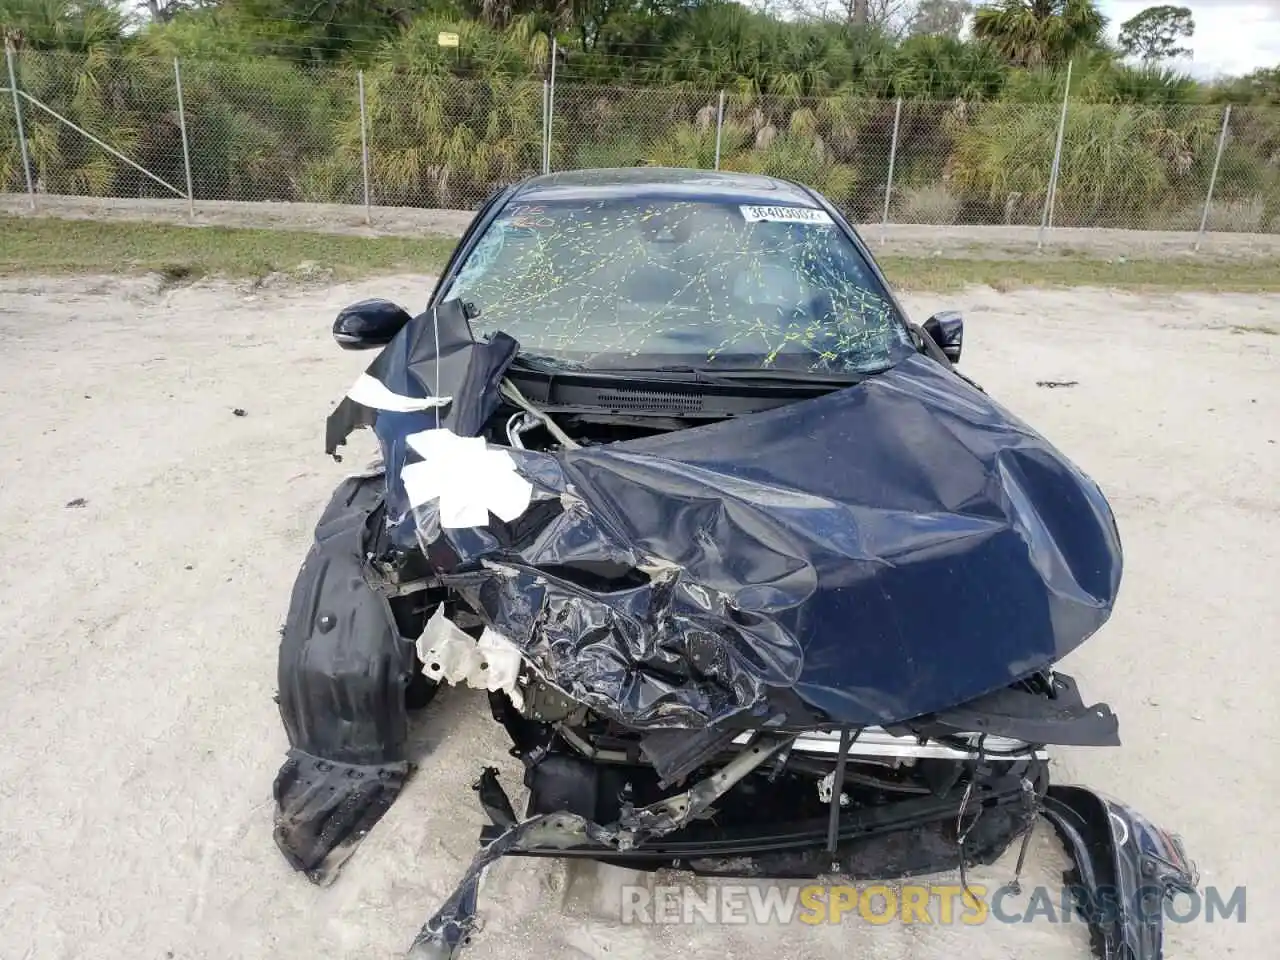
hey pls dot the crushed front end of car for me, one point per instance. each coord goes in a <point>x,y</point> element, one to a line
<point>818,639</point>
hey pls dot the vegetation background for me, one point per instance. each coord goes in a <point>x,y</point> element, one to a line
<point>812,92</point>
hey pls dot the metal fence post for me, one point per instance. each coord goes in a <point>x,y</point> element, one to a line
<point>364,147</point>
<point>1213,177</point>
<point>893,156</point>
<point>186,149</point>
<point>546,127</point>
<point>17,116</point>
<point>551,105</point>
<point>719,128</point>
<point>1046,218</point>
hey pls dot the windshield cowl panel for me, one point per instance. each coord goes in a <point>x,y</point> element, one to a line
<point>650,283</point>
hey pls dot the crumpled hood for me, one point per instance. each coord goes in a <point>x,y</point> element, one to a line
<point>882,552</point>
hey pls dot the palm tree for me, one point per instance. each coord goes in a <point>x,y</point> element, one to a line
<point>1034,32</point>
<point>77,25</point>
<point>68,56</point>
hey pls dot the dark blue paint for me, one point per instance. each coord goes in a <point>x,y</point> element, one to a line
<point>889,550</point>
<point>886,551</point>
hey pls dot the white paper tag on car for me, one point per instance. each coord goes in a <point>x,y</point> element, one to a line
<point>755,214</point>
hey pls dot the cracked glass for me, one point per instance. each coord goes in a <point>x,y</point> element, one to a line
<point>647,283</point>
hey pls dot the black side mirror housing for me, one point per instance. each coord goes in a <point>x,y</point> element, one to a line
<point>946,329</point>
<point>369,323</point>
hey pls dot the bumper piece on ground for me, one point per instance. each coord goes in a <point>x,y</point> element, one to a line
<point>1125,870</point>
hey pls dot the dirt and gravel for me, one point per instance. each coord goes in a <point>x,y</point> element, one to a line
<point>151,536</point>
<point>987,242</point>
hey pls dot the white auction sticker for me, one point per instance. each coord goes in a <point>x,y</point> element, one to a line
<point>754,214</point>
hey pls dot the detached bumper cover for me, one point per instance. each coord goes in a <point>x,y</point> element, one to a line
<point>1126,867</point>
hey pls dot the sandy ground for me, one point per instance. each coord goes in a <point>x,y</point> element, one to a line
<point>989,242</point>
<point>138,664</point>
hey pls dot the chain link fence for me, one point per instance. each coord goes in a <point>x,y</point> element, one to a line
<point>401,134</point>
<point>95,126</point>
<point>267,130</point>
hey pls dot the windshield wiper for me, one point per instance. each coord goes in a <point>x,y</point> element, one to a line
<point>721,376</point>
<point>540,364</point>
<point>744,374</point>
<point>698,374</point>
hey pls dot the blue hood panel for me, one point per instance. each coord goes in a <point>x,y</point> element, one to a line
<point>877,554</point>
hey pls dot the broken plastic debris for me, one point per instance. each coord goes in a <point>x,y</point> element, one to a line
<point>498,664</point>
<point>470,479</point>
<point>826,786</point>
<point>451,655</point>
<point>375,394</point>
<point>445,651</point>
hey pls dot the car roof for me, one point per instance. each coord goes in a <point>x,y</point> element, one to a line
<point>660,182</point>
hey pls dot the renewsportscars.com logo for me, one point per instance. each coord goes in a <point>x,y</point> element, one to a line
<point>942,904</point>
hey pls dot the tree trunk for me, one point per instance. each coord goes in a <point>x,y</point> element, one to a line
<point>860,11</point>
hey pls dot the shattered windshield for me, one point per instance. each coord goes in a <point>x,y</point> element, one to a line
<point>634,283</point>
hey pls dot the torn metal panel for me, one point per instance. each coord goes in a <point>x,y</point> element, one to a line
<point>433,374</point>
<point>450,927</point>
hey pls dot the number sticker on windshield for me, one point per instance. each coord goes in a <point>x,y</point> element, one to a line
<point>754,214</point>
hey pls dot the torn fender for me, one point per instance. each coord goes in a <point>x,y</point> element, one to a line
<point>433,356</point>
<point>343,668</point>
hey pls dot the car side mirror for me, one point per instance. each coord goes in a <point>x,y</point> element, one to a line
<point>946,329</point>
<point>369,323</point>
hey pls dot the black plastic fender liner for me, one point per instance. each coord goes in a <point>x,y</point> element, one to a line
<point>343,669</point>
<point>324,809</point>
<point>1125,870</point>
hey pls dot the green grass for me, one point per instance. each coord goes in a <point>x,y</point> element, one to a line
<point>937,274</point>
<point>46,245</point>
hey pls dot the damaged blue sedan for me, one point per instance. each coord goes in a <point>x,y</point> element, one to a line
<point>756,581</point>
